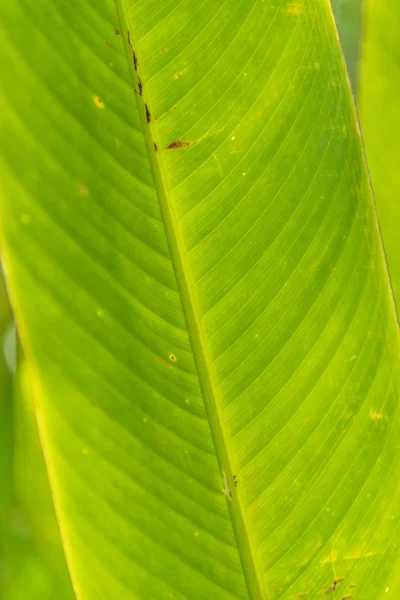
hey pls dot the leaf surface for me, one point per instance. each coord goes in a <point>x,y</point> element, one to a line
<point>202,297</point>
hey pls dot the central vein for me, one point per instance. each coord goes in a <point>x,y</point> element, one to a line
<point>211,394</point>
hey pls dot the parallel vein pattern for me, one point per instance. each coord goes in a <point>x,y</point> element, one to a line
<point>200,288</point>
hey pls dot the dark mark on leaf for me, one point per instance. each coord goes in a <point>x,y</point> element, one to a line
<point>129,37</point>
<point>148,114</point>
<point>134,60</point>
<point>155,147</point>
<point>179,144</point>
<point>116,32</point>
<point>140,86</point>
<point>235,481</point>
<point>332,589</point>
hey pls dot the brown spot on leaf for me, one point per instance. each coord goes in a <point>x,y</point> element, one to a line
<point>140,86</point>
<point>98,102</point>
<point>155,147</point>
<point>377,415</point>
<point>134,59</point>
<point>179,144</point>
<point>172,357</point>
<point>116,32</point>
<point>129,37</point>
<point>148,114</point>
<point>332,589</point>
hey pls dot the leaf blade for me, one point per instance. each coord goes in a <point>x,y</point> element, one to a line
<point>282,277</point>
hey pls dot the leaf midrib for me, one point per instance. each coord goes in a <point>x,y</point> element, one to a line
<point>252,570</point>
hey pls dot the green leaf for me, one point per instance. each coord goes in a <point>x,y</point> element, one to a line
<point>31,486</point>
<point>6,440</point>
<point>349,18</point>
<point>202,297</point>
<point>379,93</point>
<point>32,563</point>
<point>28,576</point>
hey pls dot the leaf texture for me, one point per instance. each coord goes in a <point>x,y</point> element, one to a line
<point>202,296</point>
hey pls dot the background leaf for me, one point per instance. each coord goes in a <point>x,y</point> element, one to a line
<point>27,574</point>
<point>378,102</point>
<point>349,18</point>
<point>32,559</point>
<point>6,439</point>
<point>217,375</point>
<point>31,486</point>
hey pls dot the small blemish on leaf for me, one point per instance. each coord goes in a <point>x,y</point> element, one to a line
<point>295,8</point>
<point>179,144</point>
<point>129,37</point>
<point>98,102</point>
<point>148,114</point>
<point>82,189</point>
<point>140,86</point>
<point>172,357</point>
<point>226,488</point>
<point>155,147</point>
<point>332,589</point>
<point>377,415</point>
<point>116,32</point>
<point>134,60</point>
